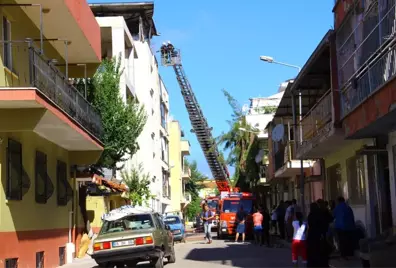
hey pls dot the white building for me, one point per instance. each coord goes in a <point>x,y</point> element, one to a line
<point>126,31</point>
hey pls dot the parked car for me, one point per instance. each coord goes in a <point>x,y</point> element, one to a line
<point>176,226</point>
<point>132,236</point>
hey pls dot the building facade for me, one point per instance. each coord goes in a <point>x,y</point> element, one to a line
<point>127,30</point>
<point>47,128</point>
<point>180,173</point>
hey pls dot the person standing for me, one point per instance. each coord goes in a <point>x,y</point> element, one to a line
<point>241,218</point>
<point>299,248</point>
<point>274,219</point>
<point>345,227</point>
<point>280,211</point>
<point>258,228</point>
<point>207,217</point>
<point>266,227</point>
<point>289,216</point>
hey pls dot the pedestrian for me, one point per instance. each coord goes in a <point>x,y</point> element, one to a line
<point>258,228</point>
<point>345,228</point>
<point>207,217</point>
<point>198,223</point>
<point>289,216</point>
<point>280,211</point>
<point>266,227</point>
<point>299,248</point>
<point>316,238</point>
<point>240,219</point>
<point>274,219</point>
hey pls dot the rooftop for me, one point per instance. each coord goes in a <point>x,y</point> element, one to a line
<point>131,13</point>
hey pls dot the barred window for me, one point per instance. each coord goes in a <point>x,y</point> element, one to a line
<point>14,170</point>
<point>43,185</point>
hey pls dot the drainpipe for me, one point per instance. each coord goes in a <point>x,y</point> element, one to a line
<point>41,20</point>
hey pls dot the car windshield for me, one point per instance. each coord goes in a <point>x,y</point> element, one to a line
<point>131,222</point>
<point>234,205</point>
<point>171,220</point>
<point>213,204</point>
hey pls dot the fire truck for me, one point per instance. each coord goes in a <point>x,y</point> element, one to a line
<point>229,206</point>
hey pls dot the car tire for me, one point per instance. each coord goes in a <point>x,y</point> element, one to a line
<point>158,262</point>
<point>172,256</point>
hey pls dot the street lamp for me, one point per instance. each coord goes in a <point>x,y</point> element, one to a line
<point>271,60</point>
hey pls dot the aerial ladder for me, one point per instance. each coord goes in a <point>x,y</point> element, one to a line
<point>198,121</point>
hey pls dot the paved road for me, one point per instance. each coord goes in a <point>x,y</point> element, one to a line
<point>219,254</point>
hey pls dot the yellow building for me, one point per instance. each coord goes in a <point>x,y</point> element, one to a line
<point>46,128</point>
<point>180,173</point>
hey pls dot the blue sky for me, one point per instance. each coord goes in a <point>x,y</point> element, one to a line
<point>221,42</point>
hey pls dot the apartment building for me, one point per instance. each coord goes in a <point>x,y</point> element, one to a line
<point>179,172</point>
<point>47,128</point>
<point>127,30</point>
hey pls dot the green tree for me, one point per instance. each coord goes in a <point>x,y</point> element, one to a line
<point>138,183</point>
<point>122,122</point>
<point>193,186</point>
<point>241,146</point>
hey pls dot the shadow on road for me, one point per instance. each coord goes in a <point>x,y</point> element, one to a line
<point>242,256</point>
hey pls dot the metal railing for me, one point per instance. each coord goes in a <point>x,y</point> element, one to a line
<point>187,197</point>
<point>316,118</point>
<point>374,77</point>
<point>29,68</point>
<point>358,43</point>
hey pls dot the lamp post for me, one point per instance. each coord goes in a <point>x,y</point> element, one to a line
<point>271,60</point>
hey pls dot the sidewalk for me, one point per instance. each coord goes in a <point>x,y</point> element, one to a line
<point>83,262</point>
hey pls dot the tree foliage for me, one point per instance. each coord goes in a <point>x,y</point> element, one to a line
<point>241,146</point>
<point>193,186</point>
<point>138,183</point>
<point>122,122</point>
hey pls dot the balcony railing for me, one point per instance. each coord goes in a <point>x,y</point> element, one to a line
<point>186,172</point>
<point>316,118</point>
<point>358,43</point>
<point>29,68</point>
<point>382,70</point>
<point>187,197</point>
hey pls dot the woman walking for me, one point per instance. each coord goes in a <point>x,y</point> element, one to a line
<point>299,248</point>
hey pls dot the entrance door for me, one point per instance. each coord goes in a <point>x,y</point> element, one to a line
<point>333,181</point>
<point>383,184</point>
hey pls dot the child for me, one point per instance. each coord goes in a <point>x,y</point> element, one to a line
<point>298,245</point>
<point>258,229</point>
<point>274,220</point>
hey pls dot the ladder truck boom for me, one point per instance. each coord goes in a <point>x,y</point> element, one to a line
<point>198,121</point>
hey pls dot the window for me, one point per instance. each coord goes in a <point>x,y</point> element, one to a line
<point>40,259</point>
<point>14,170</point>
<point>172,220</point>
<point>64,190</point>
<point>62,256</point>
<point>44,187</point>
<point>164,149</point>
<point>131,222</point>
<point>356,183</point>
<point>7,50</point>
<point>164,113</point>
<point>11,263</point>
<point>232,206</point>
<point>165,184</point>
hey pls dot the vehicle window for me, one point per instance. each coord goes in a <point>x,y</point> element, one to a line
<point>171,220</point>
<point>213,204</point>
<point>160,221</point>
<point>131,222</point>
<point>234,205</point>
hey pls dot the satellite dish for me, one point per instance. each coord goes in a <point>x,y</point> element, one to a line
<point>278,132</point>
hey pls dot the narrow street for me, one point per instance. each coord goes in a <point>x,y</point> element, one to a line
<point>218,254</point>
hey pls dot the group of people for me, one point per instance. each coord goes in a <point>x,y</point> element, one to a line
<point>168,51</point>
<point>328,226</point>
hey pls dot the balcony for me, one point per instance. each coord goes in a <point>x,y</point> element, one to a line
<point>186,173</point>
<point>31,85</point>
<point>185,147</point>
<point>186,198</point>
<point>287,165</point>
<point>365,52</point>
<point>320,136</point>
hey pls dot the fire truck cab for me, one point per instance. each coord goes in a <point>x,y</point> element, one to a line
<point>229,206</point>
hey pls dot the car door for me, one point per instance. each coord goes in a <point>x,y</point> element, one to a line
<point>168,236</point>
<point>158,233</point>
<point>163,232</point>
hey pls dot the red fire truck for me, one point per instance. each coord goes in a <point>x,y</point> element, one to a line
<point>229,206</point>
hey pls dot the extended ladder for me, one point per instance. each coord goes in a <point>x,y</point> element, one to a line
<point>199,124</point>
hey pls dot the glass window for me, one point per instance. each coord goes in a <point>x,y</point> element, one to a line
<point>132,222</point>
<point>213,204</point>
<point>356,180</point>
<point>171,220</point>
<point>14,170</point>
<point>234,205</point>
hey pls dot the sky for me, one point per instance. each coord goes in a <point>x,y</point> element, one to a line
<point>221,42</point>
